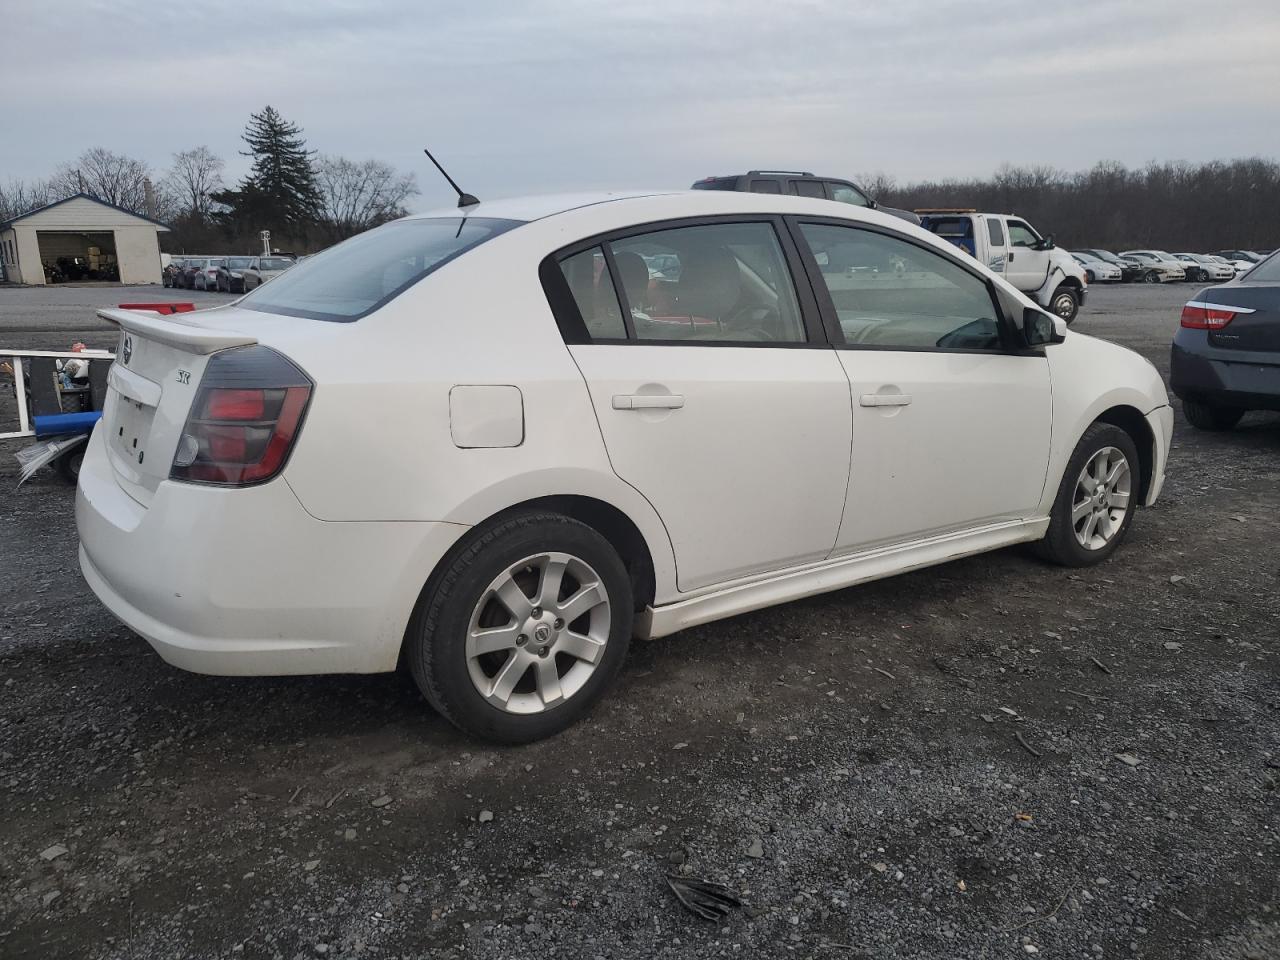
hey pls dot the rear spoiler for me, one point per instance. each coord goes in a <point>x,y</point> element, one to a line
<point>176,332</point>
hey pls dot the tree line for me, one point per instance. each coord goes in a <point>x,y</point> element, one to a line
<point>308,200</point>
<point>1224,204</point>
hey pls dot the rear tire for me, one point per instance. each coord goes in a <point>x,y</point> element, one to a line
<point>1210,416</point>
<point>494,671</point>
<point>1087,524</point>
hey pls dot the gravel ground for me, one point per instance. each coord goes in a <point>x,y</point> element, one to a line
<point>992,758</point>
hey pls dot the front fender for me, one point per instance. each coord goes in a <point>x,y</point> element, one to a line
<point>1078,367</point>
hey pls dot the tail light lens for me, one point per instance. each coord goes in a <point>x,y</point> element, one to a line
<point>1208,316</point>
<point>245,419</point>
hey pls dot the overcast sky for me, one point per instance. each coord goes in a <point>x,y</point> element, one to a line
<point>583,94</point>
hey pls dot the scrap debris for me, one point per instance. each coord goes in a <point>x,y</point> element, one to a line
<point>710,901</point>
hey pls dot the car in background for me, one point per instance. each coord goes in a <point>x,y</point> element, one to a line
<point>1096,269</point>
<point>190,267</point>
<point>596,454</point>
<point>262,269</point>
<point>800,183</point>
<point>1247,256</point>
<point>172,272</point>
<point>1239,266</point>
<point>1202,267</point>
<point>1225,359</point>
<point>1158,266</point>
<point>1130,270</point>
<point>205,276</point>
<point>231,275</point>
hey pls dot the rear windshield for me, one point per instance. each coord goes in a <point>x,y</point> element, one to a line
<point>358,276</point>
<point>717,183</point>
<point>1268,271</point>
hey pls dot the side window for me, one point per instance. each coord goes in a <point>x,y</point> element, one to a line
<point>725,281</point>
<point>765,186</point>
<point>891,294</point>
<point>809,188</point>
<point>1020,235</point>
<point>995,232</point>
<point>846,194</point>
<point>588,277</point>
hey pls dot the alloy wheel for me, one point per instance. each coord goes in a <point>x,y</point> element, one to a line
<point>1101,499</point>
<point>538,632</point>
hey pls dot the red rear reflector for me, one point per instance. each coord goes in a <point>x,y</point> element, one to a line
<point>1206,316</point>
<point>235,405</point>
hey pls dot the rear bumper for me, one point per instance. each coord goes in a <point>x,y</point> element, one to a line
<point>1196,373</point>
<point>245,582</point>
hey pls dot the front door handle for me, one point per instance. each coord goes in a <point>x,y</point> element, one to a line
<point>884,400</point>
<point>1011,256</point>
<point>646,401</point>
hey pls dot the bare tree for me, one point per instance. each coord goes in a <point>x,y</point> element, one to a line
<point>195,174</point>
<point>358,195</point>
<point>109,176</point>
<point>20,196</point>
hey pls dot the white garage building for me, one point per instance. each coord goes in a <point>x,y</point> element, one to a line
<point>84,239</point>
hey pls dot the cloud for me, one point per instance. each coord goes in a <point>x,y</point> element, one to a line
<point>581,94</point>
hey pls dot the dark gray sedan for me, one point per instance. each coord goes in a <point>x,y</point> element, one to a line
<point>1226,353</point>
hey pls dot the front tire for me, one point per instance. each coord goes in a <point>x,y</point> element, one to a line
<point>1096,499</point>
<point>1151,277</point>
<point>1210,416</point>
<point>1065,303</point>
<point>524,628</point>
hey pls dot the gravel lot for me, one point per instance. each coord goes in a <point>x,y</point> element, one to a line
<point>923,767</point>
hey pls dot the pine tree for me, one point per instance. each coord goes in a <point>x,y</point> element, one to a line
<point>280,190</point>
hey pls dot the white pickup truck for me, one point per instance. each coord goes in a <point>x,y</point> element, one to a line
<point>1014,249</point>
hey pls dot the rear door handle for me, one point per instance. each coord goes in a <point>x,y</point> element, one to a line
<point>645,401</point>
<point>884,399</point>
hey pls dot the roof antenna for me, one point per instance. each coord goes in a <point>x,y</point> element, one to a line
<point>464,199</point>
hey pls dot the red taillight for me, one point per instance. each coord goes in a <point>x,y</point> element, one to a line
<point>224,404</point>
<point>244,421</point>
<point>1207,316</point>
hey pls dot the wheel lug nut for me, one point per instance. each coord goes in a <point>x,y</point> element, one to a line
<point>537,611</point>
<point>559,624</point>
<point>543,652</point>
<point>521,640</point>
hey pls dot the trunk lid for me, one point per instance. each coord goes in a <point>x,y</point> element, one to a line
<point>150,389</point>
<point>1256,331</point>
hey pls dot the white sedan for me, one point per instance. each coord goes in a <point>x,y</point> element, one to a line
<point>493,444</point>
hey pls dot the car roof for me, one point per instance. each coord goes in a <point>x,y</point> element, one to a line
<point>637,206</point>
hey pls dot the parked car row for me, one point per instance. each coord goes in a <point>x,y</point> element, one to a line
<point>1157,266</point>
<point>232,274</point>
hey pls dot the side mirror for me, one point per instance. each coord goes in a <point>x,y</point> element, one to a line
<point>1046,243</point>
<point>1041,329</point>
<point>873,204</point>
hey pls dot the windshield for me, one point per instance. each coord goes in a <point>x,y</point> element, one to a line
<point>358,276</point>
<point>274,263</point>
<point>239,263</point>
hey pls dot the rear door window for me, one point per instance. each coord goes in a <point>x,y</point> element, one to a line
<point>808,188</point>
<point>766,186</point>
<point>995,232</point>
<point>359,275</point>
<point>591,284</point>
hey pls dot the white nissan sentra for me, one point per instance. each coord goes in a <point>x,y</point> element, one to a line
<point>497,443</point>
